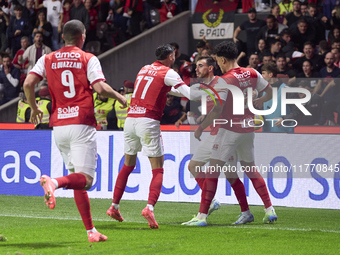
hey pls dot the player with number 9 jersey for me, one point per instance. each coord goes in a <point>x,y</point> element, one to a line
<point>72,71</point>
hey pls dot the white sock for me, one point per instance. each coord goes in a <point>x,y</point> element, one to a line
<point>94,230</point>
<point>269,209</point>
<point>150,207</point>
<point>55,183</point>
<point>116,206</point>
<point>201,216</point>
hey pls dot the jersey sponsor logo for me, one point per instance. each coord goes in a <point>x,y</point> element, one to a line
<point>137,109</point>
<point>67,55</point>
<point>68,112</point>
<point>242,75</point>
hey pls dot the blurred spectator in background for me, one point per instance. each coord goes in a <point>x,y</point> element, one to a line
<point>28,12</point>
<point>79,12</point>
<point>91,32</point>
<point>116,117</point>
<point>336,53</point>
<point>54,15</point>
<point>102,106</point>
<point>4,22</point>
<point>17,28</point>
<point>335,44</point>
<point>201,45</point>
<point>295,15</point>
<point>319,21</point>
<point>45,104</point>
<point>34,52</point>
<point>303,33</point>
<point>286,6</point>
<point>9,78</point>
<point>254,61</point>
<point>314,106</point>
<point>323,48</point>
<point>136,13</point>
<point>120,22</point>
<point>22,67</point>
<point>261,46</point>
<point>66,11</point>
<point>329,72</point>
<point>304,8</point>
<point>252,27</point>
<point>283,69</point>
<point>336,15</point>
<point>309,54</point>
<point>180,57</point>
<point>44,27</point>
<point>167,10</point>
<point>24,110</point>
<point>270,31</point>
<point>334,34</point>
<point>275,10</point>
<point>313,77</point>
<point>288,47</point>
<point>172,111</point>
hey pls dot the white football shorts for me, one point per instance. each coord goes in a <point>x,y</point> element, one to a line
<point>227,143</point>
<point>78,147</point>
<point>143,133</point>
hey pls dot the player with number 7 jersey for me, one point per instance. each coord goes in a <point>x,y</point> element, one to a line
<point>142,127</point>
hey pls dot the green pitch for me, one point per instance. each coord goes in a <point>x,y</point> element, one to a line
<point>31,228</point>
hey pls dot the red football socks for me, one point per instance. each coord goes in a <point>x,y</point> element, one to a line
<point>240,194</point>
<point>74,181</point>
<point>200,179</point>
<point>121,183</point>
<point>155,185</point>
<point>208,193</point>
<point>83,204</point>
<point>260,187</point>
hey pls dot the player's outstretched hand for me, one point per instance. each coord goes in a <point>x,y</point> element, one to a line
<point>36,116</point>
<point>121,99</point>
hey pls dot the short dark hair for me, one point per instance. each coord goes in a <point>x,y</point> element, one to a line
<point>308,43</point>
<point>302,20</point>
<point>18,7</point>
<point>323,44</point>
<point>6,55</point>
<point>271,16</point>
<point>270,68</point>
<point>286,31</point>
<point>274,41</point>
<point>312,5</point>
<point>280,55</point>
<point>163,51</point>
<point>210,61</point>
<point>226,49</point>
<point>297,1</point>
<point>38,32</point>
<point>307,60</point>
<point>175,45</point>
<point>73,30</point>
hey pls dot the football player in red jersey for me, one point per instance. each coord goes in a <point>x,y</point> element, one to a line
<point>71,73</point>
<point>142,127</point>
<point>234,138</point>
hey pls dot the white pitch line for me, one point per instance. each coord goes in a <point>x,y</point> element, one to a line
<point>243,226</point>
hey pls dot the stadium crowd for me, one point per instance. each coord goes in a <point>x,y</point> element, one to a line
<point>297,45</point>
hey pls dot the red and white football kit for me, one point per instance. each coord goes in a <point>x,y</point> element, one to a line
<point>142,126</point>
<point>237,135</point>
<point>70,73</point>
